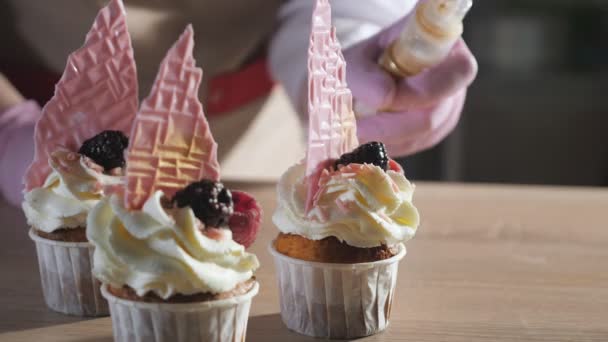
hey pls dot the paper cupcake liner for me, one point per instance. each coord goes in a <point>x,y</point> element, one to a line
<point>218,320</point>
<point>338,301</point>
<point>68,284</point>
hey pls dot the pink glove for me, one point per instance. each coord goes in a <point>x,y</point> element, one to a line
<point>414,113</point>
<point>16,147</point>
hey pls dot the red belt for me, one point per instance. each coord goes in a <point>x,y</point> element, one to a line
<point>227,92</point>
<point>230,91</point>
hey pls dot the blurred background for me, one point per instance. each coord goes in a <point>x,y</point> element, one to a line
<point>538,110</point>
<point>537,113</point>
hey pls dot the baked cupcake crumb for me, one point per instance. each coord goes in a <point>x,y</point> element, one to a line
<point>78,234</point>
<point>329,250</point>
<point>128,293</point>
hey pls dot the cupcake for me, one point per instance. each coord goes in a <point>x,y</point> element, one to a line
<point>343,213</point>
<point>170,251</point>
<point>79,143</point>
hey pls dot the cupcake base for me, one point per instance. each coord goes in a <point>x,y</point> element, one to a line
<point>66,275</point>
<point>335,300</point>
<point>214,320</point>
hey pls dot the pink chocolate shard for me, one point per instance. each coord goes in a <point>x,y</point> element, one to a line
<point>97,92</point>
<point>171,145</point>
<point>332,125</point>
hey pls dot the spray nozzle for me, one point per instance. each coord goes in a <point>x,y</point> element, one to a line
<point>443,12</point>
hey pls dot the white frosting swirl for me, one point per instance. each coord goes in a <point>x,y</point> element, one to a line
<point>73,187</point>
<point>361,205</point>
<point>163,250</point>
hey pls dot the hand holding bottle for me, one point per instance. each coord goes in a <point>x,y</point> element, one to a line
<point>413,113</point>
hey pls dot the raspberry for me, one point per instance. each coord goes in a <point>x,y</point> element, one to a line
<point>370,153</point>
<point>394,166</point>
<point>210,201</point>
<point>106,149</point>
<point>246,220</point>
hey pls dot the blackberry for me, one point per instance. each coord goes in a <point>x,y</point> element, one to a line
<point>210,201</point>
<point>106,149</point>
<point>371,153</point>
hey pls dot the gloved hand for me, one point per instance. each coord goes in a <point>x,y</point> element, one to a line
<point>411,114</point>
<point>16,147</point>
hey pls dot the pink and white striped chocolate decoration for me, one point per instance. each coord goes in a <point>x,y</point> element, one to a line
<point>171,145</point>
<point>97,92</point>
<point>332,127</point>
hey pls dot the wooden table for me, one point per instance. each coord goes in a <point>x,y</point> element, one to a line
<point>490,263</point>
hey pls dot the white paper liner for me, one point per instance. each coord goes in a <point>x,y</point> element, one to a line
<point>338,301</point>
<point>218,320</point>
<point>68,284</point>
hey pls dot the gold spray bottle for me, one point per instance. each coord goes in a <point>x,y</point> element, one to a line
<point>427,37</point>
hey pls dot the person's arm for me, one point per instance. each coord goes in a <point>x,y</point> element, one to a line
<point>17,121</point>
<point>412,114</point>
